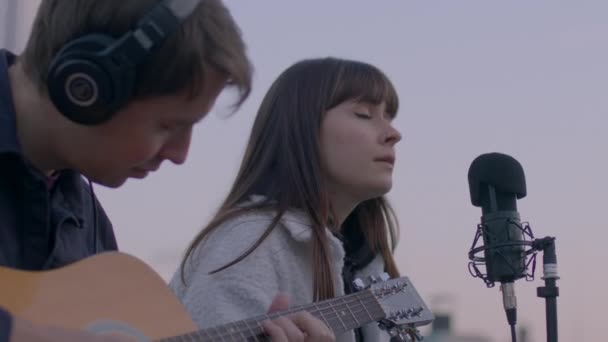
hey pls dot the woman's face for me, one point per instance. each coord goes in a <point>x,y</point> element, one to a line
<point>357,146</point>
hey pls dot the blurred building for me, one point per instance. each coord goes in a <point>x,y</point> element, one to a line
<point>442,331</point>
<point>523,334</point>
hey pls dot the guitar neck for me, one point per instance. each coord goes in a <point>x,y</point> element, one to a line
<point>339,314</point>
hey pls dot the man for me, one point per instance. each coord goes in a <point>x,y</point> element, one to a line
<point>93,96</point>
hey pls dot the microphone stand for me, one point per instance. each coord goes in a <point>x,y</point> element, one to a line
<point>550,291</point>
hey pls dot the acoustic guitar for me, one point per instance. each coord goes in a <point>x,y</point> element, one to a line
<point>117,293</point>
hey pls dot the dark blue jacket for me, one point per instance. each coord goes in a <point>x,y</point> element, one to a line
<point>43,227</point>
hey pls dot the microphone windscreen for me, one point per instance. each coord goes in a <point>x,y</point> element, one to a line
<point>499,170</point>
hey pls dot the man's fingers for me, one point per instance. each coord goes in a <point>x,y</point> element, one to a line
<point>314,328</point>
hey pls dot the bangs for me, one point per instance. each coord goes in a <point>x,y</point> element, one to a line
<point>364,83</point>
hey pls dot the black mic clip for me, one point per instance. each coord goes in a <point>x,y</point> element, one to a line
<point>529,249</point>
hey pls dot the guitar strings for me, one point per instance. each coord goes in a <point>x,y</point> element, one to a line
<point>333,311</point>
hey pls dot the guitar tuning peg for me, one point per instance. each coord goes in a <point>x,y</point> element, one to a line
<point>358,284</point>
<point>384,276</point>
<point>405,335</point>
<point>401,337</point>
<point>415,335</point>
<point>373,279</point>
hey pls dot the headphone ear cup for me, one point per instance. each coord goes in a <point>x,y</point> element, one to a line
<point>84,85</point>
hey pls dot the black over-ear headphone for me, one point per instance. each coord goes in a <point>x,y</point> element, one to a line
<point>93,76</point>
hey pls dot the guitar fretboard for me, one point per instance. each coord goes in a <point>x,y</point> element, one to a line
<point>339,314</point>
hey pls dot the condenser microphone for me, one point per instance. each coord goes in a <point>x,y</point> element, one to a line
<point>496,181</point>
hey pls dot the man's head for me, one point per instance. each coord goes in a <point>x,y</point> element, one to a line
<point>173,89</point>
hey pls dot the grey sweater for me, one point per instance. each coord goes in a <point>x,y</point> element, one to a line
<point>281,264</point>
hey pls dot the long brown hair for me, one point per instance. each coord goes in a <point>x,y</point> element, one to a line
<point>282,161</point>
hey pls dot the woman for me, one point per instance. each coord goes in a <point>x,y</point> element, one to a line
<point>306,213</point>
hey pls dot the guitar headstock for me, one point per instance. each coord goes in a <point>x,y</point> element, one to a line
<point>404,310</point>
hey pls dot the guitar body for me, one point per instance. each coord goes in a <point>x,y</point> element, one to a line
<point>115,293</point>
<point>109,292</point>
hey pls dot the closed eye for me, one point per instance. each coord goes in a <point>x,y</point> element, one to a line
<point>363,115</point>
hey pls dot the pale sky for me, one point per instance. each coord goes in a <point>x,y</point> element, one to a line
<point>526,78</point>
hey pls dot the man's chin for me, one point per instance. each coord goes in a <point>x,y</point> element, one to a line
<point>111,183</point>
